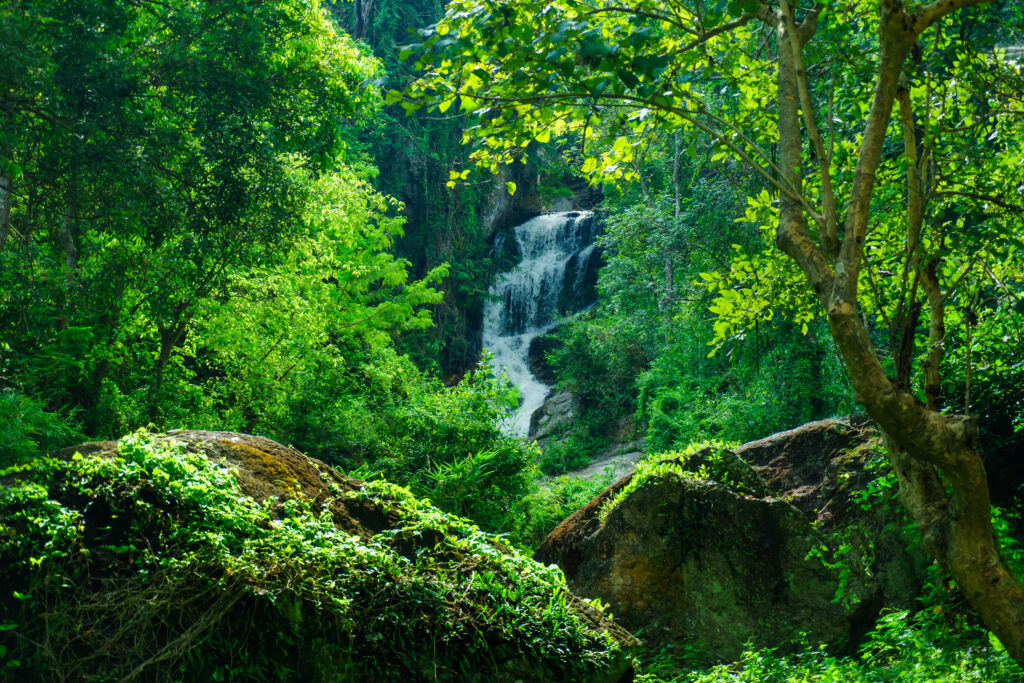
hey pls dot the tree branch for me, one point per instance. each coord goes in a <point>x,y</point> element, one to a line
<point>927,15</point>
<point>829,228</point>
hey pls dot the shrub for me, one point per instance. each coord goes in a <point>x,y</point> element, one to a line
<point>155,563</point>
<point>27,428</point>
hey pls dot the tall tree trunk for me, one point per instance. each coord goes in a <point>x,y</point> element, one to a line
<point>363,13</point>
<point>67,239</point>
<point>6,188</point>
<point>171,337</point>
<point>930,451</point>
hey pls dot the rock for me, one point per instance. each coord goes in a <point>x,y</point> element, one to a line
<point>560,410</point>
<point>165,561</point>
<point>688,560</point>
<point>579,288</point>
<point>504,210</point>
<point>719,547</point>
<point>566,191</point>
<point>620,457</point>
<point>557,204</point>
<point>540,347</point>
<point>824,468</point>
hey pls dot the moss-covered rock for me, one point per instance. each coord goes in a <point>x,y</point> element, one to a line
<point>207,556</point>
<point>798,533</point>
<point>688,560</point>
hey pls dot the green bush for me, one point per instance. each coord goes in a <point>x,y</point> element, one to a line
<point>27,428</point>
<point>446,444</point>
<point>904,647</point>
<point>544,509</point>
<point>574,450</point>
<point>155,563</point>
<point>686,397</point>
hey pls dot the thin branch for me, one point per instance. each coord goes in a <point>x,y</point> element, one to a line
<point>656,16</point>
<point>925,16</point>
<point>829,227</point>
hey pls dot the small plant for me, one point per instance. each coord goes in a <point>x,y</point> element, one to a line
<point>674,463</point>
<point>27,428</point>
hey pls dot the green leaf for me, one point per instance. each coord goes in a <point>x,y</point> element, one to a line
<point>628,77</point>
<point>511,187</point>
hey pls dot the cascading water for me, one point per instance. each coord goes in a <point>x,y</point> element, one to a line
<point>527,300</point>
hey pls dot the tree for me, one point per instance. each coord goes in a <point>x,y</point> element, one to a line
<point>149,152</point>
<point>883,132</point>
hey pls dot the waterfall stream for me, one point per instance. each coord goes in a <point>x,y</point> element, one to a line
<point>556,249</point>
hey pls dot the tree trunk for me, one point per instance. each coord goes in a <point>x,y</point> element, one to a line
<point>67,239</point>
<point>171,337</point>
<point>6,186</point>
<point>363,14</point>
<point>930,451</point>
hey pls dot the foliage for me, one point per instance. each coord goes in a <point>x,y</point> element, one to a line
<point>416,156</point>
<point>905,647</point>
<point>887,137</point>
<point>156,172</point>
<point>644,349</point>
<point>226,262</point>
<point>553,501</point>
<point>772,382</point>
<point>156,563</point>
<point>576,447</point>
<point>27,428</point>
<point>699,461</point>
<point>447,444</point>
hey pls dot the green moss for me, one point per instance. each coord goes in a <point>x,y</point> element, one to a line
<point>156,558</point>
<point>699,461</point>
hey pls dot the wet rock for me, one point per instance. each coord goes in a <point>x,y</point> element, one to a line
<point>559,411</point>
<point>540,347</point>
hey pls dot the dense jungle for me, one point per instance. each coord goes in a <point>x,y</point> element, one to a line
<point>508,340</point>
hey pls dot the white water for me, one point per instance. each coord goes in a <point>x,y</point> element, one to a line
<point>527,301</point>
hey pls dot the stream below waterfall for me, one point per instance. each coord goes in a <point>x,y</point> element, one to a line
<point>549,281</point>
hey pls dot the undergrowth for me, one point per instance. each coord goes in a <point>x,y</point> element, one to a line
<point>703,460</point>
<point>933,645</point>
<point>154,565</point>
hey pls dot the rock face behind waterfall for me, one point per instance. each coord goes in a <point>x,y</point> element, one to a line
<point>556,275</point>
<point>708,550</point>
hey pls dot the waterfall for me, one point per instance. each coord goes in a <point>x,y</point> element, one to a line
<point>526,301</point>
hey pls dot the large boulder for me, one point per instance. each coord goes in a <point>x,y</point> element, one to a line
<point>220,556</point>
<point>763,544</point>
<point>835,472</point>
<point>688,559</point>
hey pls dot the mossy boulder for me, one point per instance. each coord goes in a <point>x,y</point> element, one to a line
<point>208,556</point>
<point>835,472</point>
<point>689,560</point>
<point>797,535</point>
